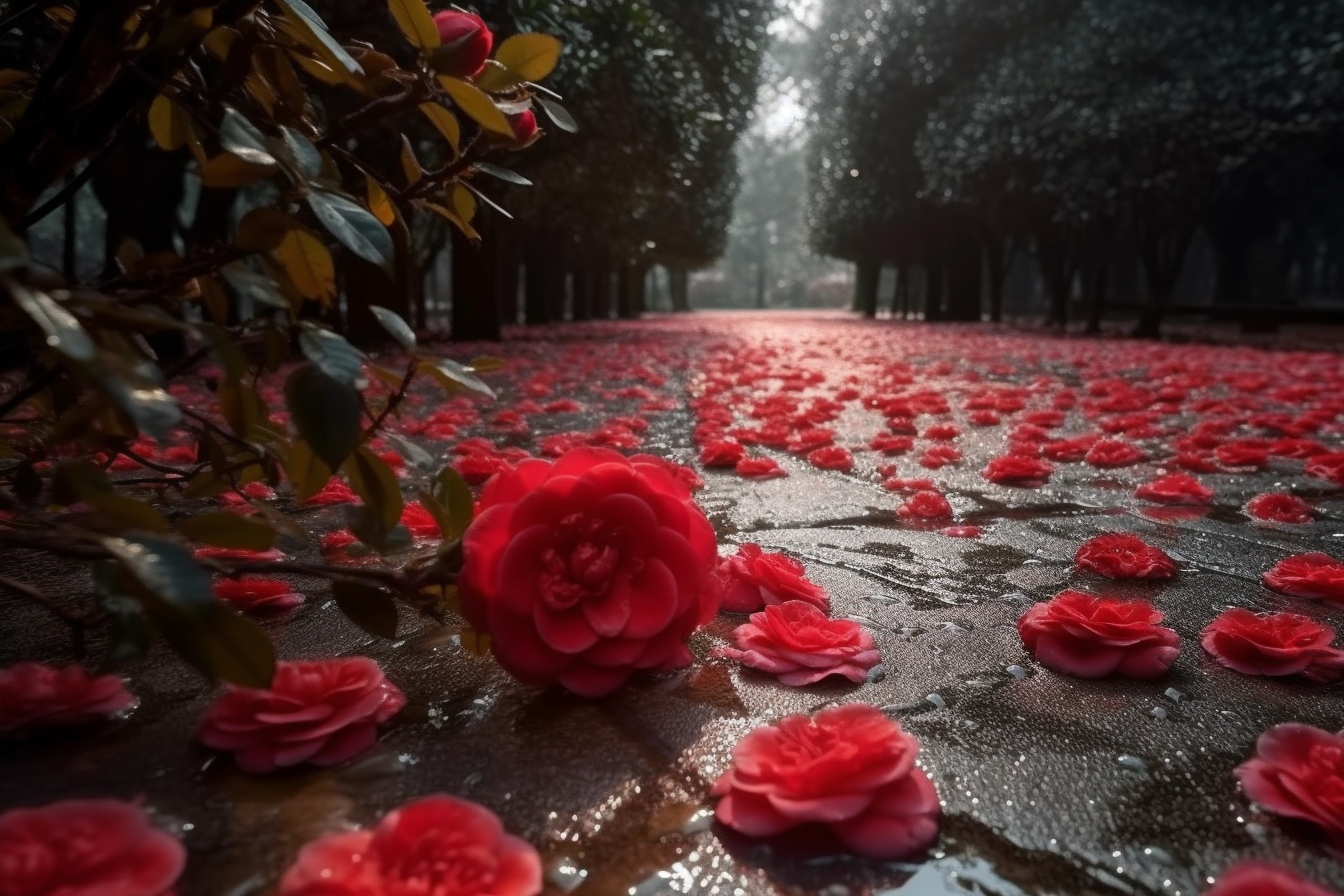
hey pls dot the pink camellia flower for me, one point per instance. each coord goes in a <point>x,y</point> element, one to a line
<point>798,643</point>
<point>753,579</point>
<point>257,594</point>
<point>1092,637</point>
<point>1277,507</point>
<point>1315,576</point>
<point>433,845</point>
<point>320,712</point>
<point>588,570</point>
<point>722,453</point>
<point>467,40</point>
<point>760,468</point>
<point>849,769</point>
<point>925,505</point>
<point>1275,644</point>
<point>33,695</point>
<point>1298,771</point>
<point>86,848</point>
<point>832,457</point>
<point>1119,555</point>
<point>1112,453</point>
<point>1175,488</point>
<point>1263,879</point>
<point>1017,469</point>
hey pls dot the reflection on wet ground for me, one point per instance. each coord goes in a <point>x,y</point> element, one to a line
<point>1050,785</point>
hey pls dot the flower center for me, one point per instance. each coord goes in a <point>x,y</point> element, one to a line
<point>439,866</point>
<point>582,563</point>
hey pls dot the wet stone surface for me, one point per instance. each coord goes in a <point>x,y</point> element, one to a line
<point>1050,784</point>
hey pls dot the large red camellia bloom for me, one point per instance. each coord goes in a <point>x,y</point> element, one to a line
<point>1263,879</point>
<point>798,643</point>
<point>1315,576</point>
<point>588,570</point>
<point>86,848</point>
<point>33,695</point>
<point>753,579</point>
<point>850,768</point>
<point>1119,555</point>
<point>1092,637</point>
<point>467,40</point>
<point>320,712</point>
<point>1175,488</point>
<point>1298,771</point>
<point>435,846</point>
<point>1275,644</point>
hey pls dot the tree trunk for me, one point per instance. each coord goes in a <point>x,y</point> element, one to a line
<point>965,276</point>
<point>900,303</point>
<point>679,285</point>
<point>581,293</point>
<point>624,286</point>
<point>476,288</point>
<point>536,304</point>
<point>1163,254</point>
<point>509,280</point>
<point>997,261</point>
<point>600,280</point>
<point>867,276</point>
<point>1100,287</point>
<point>935,271</point>
<point>639,289</point>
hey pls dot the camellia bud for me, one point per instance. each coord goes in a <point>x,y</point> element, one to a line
<point>524,126</point>
<point>466,43</point>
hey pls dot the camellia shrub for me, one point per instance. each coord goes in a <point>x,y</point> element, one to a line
<point>301,141</point>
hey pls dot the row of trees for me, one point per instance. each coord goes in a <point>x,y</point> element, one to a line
<point>1096,140</point>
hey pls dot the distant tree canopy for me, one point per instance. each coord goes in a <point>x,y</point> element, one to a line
<point>1073,129</point>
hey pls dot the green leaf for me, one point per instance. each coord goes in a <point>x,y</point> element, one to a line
<point>377,485</point>
<point>79,481</point>
<point>453,494</point>
<point>301,15</point>
<point>454,377</point>
<point>504,174</point>
<point>529,56</point>
<point>558,114</point>
<point>330,352</point>
<point>326,413</point>
<point>306,156</point>
<point>13,251</point>
<point>242,408</point>
<point>63,330</point>
<point>240,137</point>
<point>250,285</point>
<point>370,608</point>
<point>477,106</point>
<point>416,23</point>
<point>229,530</point>
<point>145,403</point>
<point>353,226</point>
<point>396,326</point>
<point>129,633</point>
<point>306,471</point>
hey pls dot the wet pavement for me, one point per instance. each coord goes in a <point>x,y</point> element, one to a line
<point>1050,784</point>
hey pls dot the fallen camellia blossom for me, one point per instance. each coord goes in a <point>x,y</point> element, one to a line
<point>86,848</point>
<point>1092,637</point>
<point>753,578</point>
<point>1110,453</point>
<point>419,521</point>
<point>1277,507</point>
<point>1275,644</point>
<point>257,594</point>
<point>938,456</point>
<point>1298,772</point>
<point>432,845</point>
<point>722,453</point>
<point>334,492</point>
<point>1175,488</point>
<point>961,531</point>
<point>1017,469</point>
<point>1263,879</point>
<point>925,505</point>
<point>798,643</point>
<point>1315,576</point>
<point>832,457</point>
<point>319,712</point>
<point>849,769</point>
<point>1119,555</point>
<point>34,695</point>
<point>760,468</point>
<point>240,555</point>
<point>587,570</point>
<point>1328,466</point>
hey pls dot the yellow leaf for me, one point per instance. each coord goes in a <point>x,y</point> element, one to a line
<point>467,230</point>
<point>446,122</point>
<point>309,265</point>
<point>529,56</point>
<point>317,68</point>
<point>220,41</point>
<point>379,203</point>
<point>416,23</point>
<point>12,76</point>
<point>474,642</point>
<point>261,91</point>
<point>477,106</point>
<point>169,124</point>
<point>495,77</point>
<point>463,203</point>
<point>263,229</point>
<point>226,171</point>
<point>410,165</point>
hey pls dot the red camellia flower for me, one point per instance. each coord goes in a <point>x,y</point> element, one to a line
<point>760,468</point>
<point>420,521</point>
<point>334,492</point>
<point>798,643</point>
<point>257,594</point>
<point>1263,879</point>
<point>86,848</point>
<point>587,570</point>
<point>722,453</point>
<point>1175,488</point>
<point>891,445</point>
<point>753,579</point>
<point>1298,772</point>
<point>1277,507</point>
<point>1111,453</point>
<point>961,532</point>
<point>33,695</point>
<point>939,456</point>
<point>1275,644</point>
<point>850,769</point>
<point>322,712</point>
<point>1092,637</point>
<point>925,506</point>
<point>467,40</point>
<point>1329,466</point>
<point>435,846</point>
<point>1315,576</point>
<point>832,457</point>
<point>1118,555</point>
<point>1017,469</point>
